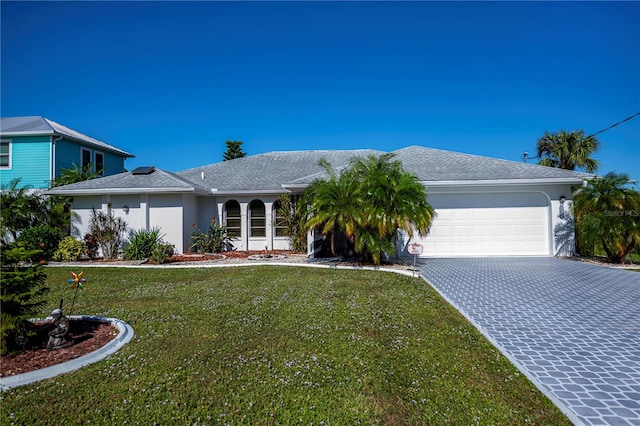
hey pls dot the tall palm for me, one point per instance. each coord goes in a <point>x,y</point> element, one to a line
<point>568,150</point>
<point>607,213</point>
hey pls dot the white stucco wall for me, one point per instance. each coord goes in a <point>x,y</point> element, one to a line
<point>165,212</point>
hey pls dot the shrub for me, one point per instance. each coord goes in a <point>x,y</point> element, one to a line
<point>291,218</point>
<point>108,232</point>
<point>43,238</point>
<point>69,250</point>
<point>23,290</point>
<point>162,252</point>
<point>142,244</point>
<point>211,241</point>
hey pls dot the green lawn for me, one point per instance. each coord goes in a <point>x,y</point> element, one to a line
<point>279,345</point>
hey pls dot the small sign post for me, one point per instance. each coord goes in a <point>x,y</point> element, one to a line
<point>416,250</point>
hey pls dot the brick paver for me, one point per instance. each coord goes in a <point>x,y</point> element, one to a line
<point>573,328</point>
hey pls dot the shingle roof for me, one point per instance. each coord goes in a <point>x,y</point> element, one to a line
<point>156,181</point>
<point>36,125</point>
<point>433,165</point>
<point>273,172</point>
<point>269,171</point>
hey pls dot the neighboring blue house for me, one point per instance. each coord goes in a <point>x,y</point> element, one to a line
<point>36,149</point>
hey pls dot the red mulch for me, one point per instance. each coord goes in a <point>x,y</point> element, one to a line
<point>88,336</point>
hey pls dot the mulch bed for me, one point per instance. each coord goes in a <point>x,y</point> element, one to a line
<point>88,336</point>
<point>194,257</point>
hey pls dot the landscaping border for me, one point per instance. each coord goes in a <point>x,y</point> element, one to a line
<point>125,334</point>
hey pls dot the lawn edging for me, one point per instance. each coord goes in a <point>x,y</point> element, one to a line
<point>125,334</point>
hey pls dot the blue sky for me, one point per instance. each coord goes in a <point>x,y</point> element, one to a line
<point>170,82</point>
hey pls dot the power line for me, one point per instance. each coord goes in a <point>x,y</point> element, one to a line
<point>526,157</point>
<point>613,125</point>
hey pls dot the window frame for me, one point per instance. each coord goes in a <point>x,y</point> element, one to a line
<point>99,170</point>
<point>258,230</point>
<point>278,228</point>
<point>233,231</point>
<point>82,151</point>
<point>9,154</point>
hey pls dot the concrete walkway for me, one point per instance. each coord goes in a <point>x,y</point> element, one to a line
<point>573,328</point>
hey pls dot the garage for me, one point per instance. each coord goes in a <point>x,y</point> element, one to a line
<point>489,224</point>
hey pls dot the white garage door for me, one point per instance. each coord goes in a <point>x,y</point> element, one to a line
<point>488,224</point>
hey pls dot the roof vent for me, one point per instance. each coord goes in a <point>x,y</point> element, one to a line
<point>145,170</point>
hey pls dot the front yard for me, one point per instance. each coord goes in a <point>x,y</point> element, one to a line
<point>279,345</point>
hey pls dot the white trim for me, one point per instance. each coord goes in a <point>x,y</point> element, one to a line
<point>491,182</point>
<point>96,191</point>
<point>249,192</point>
<point>250,219</point>
<point>10,165</point>
<point>485,182</point>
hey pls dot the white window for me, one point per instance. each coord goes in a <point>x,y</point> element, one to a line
<point>233,222</point>
<point>99,163</point>
<point>257,218</point>
<point>5,154</point>
<point>280,220</point>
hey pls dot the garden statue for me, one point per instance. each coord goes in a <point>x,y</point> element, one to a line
<point>59,336</point>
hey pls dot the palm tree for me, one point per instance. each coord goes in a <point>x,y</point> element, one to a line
<point>60,207</point>
<point>74,175</point>
<point>393,200</point>
<point>568,150</point>
<point>607,212</point>
<point>332,204</point>
<point>234,150</point>
<point>370,201</point>
<point>20,208</point>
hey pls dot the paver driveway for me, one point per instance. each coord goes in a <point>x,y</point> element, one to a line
<point>573,328</point>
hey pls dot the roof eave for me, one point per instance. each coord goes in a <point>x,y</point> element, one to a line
<point>215,191</point>
<point>125,191</point>
<point>54,133</point>
<point>509,182</point>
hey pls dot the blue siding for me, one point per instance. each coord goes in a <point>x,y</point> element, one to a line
<point>69,154</point>
<point>113,164</point>
<point>29,161</point>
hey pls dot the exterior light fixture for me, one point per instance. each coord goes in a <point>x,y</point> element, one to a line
<point>125,209</point>
<point>562,200</point>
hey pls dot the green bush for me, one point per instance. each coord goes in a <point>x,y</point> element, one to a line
<point>142,244</point>
<point>211,241</point>
<point>69,250</point>
<point>22,295</point>
<point>43,238</point>
<point>162,252</point>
